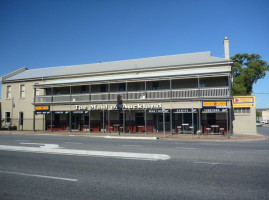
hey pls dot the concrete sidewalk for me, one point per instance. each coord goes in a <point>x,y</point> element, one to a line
<point>143,136</point>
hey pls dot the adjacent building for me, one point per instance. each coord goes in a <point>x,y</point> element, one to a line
<point>264,118</point>
<point>177,93</point>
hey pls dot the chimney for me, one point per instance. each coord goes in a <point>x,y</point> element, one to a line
<point>226,48</point>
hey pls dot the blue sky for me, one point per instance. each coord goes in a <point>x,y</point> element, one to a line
<point>46,33</point>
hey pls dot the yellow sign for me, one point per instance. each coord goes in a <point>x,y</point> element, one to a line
<point>243,101</point>
<point>42,108</point>
<point>214,103</point>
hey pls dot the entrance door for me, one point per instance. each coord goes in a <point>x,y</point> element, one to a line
<point>167,122</point>
<point>103,121</point>
<point>76,125</point>
<point>21,120</point>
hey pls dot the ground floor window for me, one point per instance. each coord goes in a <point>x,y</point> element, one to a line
<point>139,118</point>
<point>186,121</point>
<point>7,117</point>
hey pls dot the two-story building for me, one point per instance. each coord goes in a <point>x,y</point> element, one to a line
<point>181,93</point>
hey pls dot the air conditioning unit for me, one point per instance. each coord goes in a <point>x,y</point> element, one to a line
<point>142,97</point>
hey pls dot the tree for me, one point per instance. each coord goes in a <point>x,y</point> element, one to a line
<point>258,115</point>
<point>247,70</point>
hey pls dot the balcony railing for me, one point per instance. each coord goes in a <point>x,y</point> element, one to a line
<point>139,95</point>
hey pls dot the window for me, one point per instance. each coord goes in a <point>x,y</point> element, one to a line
<point>48,91</point>
<point>7,117</point>
<point>241,110</point>
<point>83,89</point>
<point>8,94</point>
<point>202,83</point>
<point>103,88</point>
<point>139,118</point>
<point>22,91</point>
<point>122,87</point>
<point>20,118</point>
<point>155,85</point>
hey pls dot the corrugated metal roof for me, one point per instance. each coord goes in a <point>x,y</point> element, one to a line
<point>134,64</point>
<point>134,76</point>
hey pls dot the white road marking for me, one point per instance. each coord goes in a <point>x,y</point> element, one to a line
<point>129,138</point>
<point>39,176</point>
<point>209,163</point>
<point>50,149</point>
<point>45,146</point>
<point>187,148</point>
<point>131,145</point>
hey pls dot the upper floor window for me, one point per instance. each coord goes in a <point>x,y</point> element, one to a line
<point>48,91</point>
<point>22,91</point>
<point>155,85</point>
<point>103,88</point>
<point>8,93</point>
<point>202,83</point>
<point>122,87</point>
<point>83,89</point>
<point>37,93</point>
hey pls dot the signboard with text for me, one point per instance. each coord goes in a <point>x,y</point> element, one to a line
<point>185,110</point>
<point>214,110</point>
<point>159,111</point>
<point>42,112</point>
<point>243,101</point>
<point>216,104</point>
<point>42,108</point>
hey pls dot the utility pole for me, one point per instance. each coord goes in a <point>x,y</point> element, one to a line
<point>119,108</point>
<point>163,122</point>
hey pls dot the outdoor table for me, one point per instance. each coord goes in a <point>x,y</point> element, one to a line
<point>178,129</point>
<point>208,130</point>
<point>215,128</point>
<point>139,128</point>
<point>184,127</point>
<point>111,128</point>
<point>191,129</point>
<point>221,130</point>
<point>116,126</point>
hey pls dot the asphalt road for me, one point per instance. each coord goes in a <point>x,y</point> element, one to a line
<point>263,130</point>
<point>196,170</point>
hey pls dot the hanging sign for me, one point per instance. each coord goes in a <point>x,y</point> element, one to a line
<point>42,108</point>
<point>158,111</point>
<point>42,112</point>
<point>61,112</point>
<point>214,110</point>
<point>185,110</point>
<point>80,112</point>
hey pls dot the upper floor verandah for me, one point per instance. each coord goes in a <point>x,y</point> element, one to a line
<point>133,90</point>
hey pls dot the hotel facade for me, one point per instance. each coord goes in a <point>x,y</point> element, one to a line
<point>176,93</point>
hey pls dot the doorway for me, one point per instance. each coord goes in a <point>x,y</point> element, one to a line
<point>76,123</point>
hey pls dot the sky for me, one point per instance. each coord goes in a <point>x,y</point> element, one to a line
<point>49,33</point>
